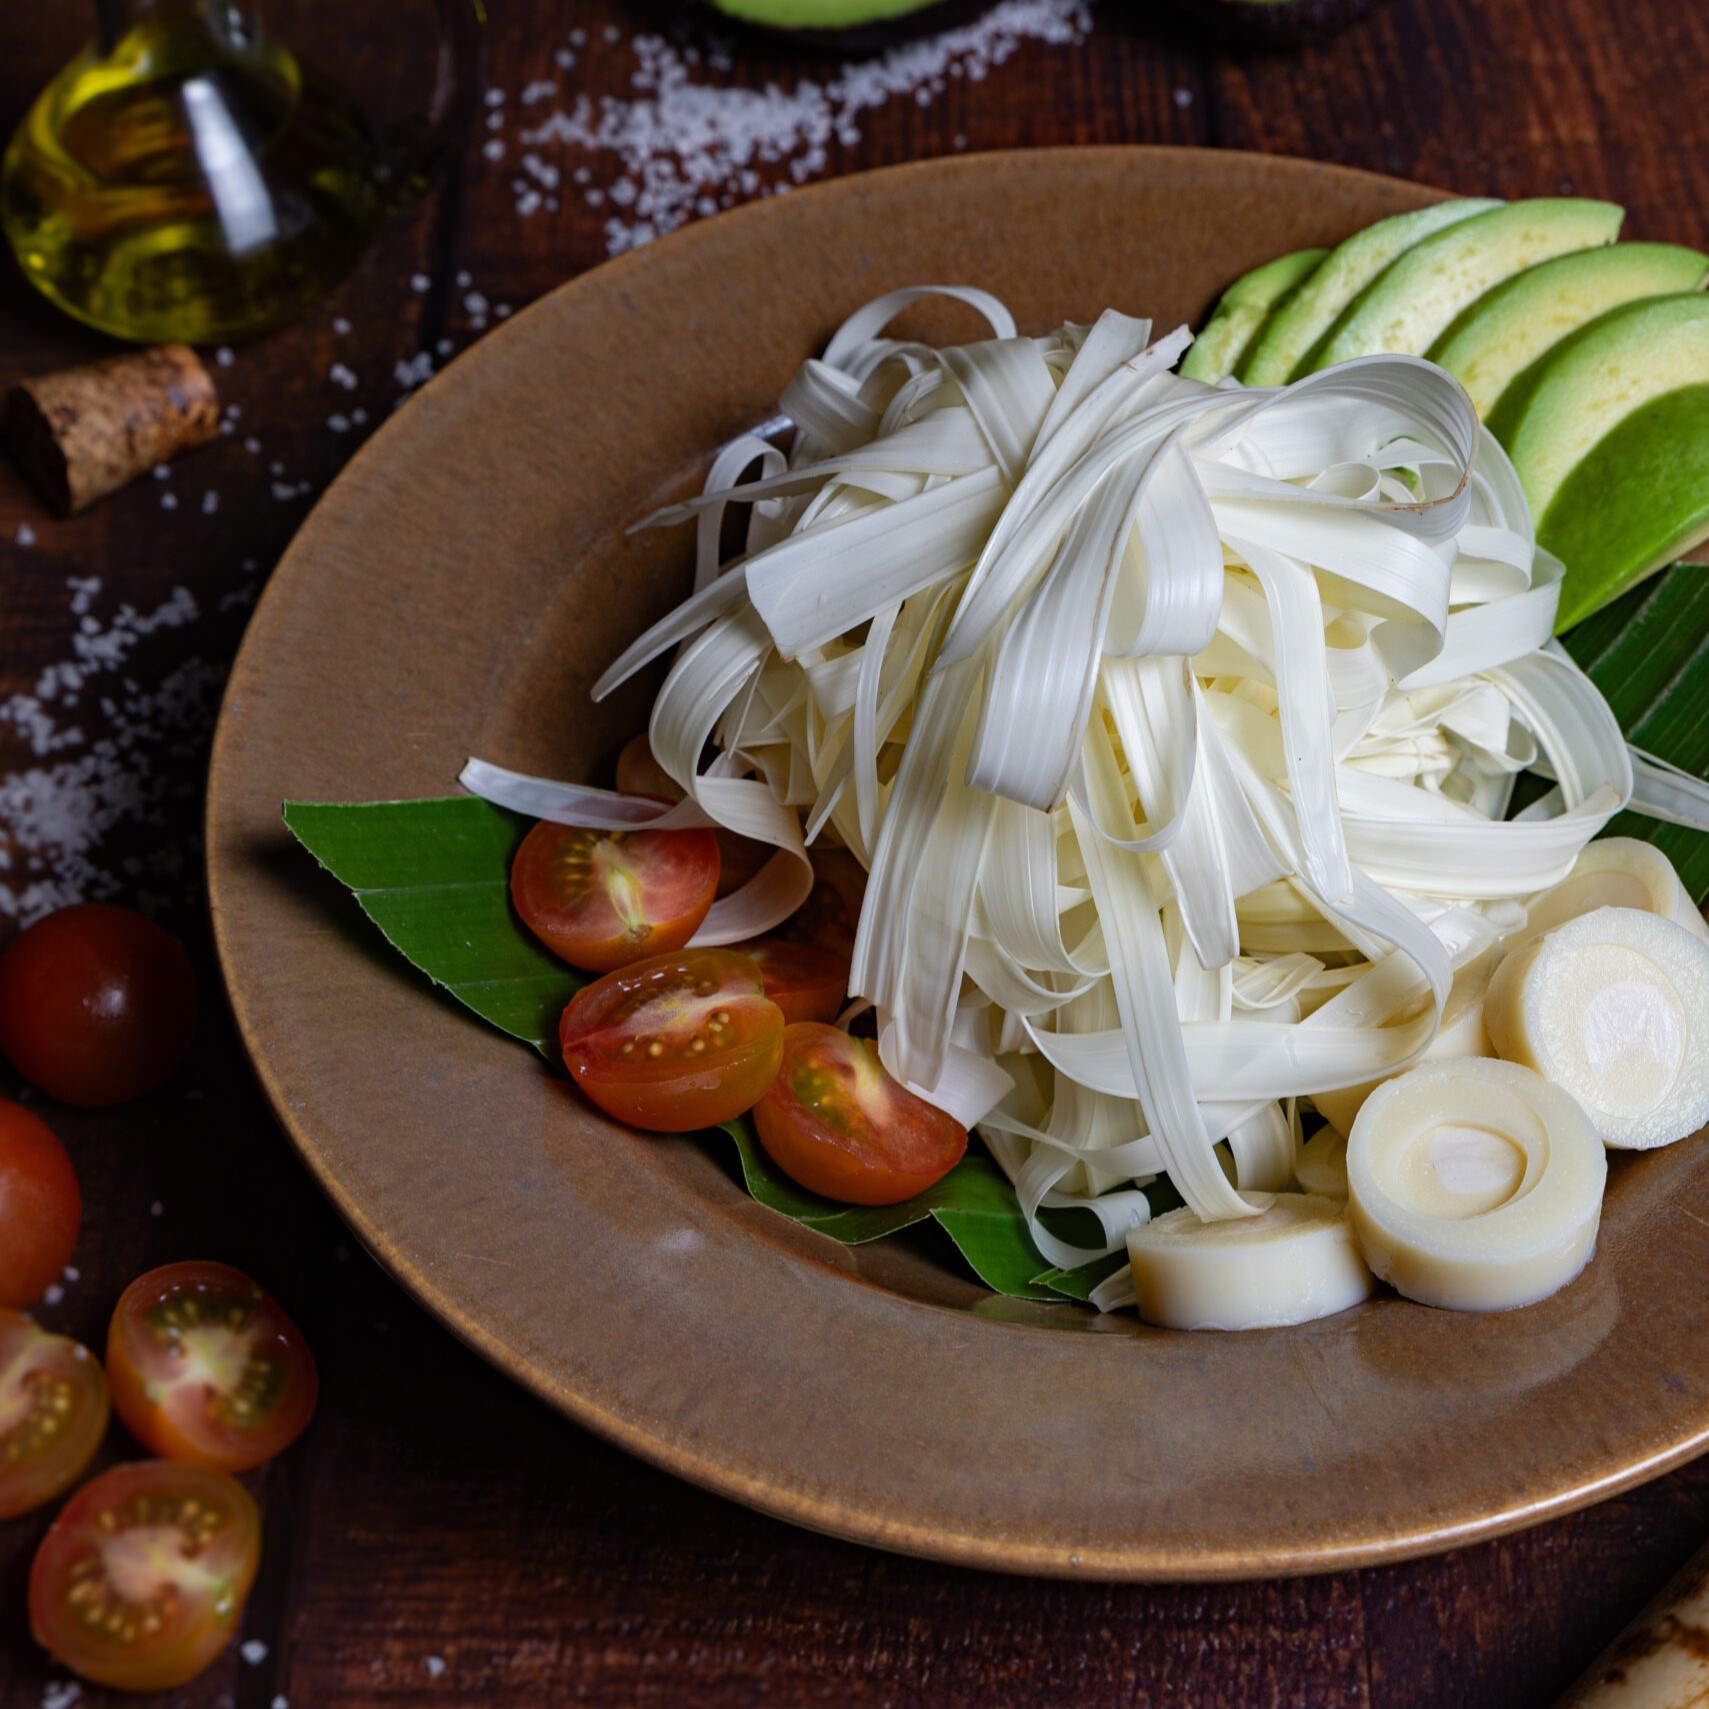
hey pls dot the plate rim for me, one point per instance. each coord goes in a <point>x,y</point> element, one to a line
<point>821,1511</point>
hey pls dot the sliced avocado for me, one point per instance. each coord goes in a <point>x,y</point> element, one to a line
<point>1581,390</point>
<point>1242,311</point>
<point>1409,305</point>
<point>1298,325</point>
<point>814,15</point>
<point>1637,502</point>
<point>1508,328</point>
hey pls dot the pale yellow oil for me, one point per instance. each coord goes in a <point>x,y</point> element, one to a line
<point>189,185</point>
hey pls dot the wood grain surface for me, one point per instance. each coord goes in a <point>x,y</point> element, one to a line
<point>438,1537</point>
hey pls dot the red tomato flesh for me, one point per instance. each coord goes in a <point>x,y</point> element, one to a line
<point>830,916</point>
<point>53,1413</point>
<point>806,981</point>
<point>837,1123</point>
<point>206,1368</point>
<point>40,1207</point>
<point>639,773</point>
<point>142,1579</point>
<point>603,899</point>
<point>676,1042</point>
<point>97,1004</point>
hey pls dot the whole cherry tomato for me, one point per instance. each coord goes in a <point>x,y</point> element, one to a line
<point>40,1207</point>
<point>806,981</point>
<point>97,1004</point>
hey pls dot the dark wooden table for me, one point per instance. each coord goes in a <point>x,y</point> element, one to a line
<point>438,1537</point>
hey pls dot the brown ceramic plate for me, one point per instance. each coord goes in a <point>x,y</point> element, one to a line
<point>456,593</point>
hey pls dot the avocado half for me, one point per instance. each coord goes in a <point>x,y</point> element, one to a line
<point>1274,23</point>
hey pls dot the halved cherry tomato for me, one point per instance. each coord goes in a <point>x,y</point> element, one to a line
<point>141,1581</point>
<point>638,773</point>
<point>831,914</point>
<point>806,981</point>
<point>40,1207</point>
<point>674,1043</point>
<point>836,1123</point>
<point>205,1367</point>
<point>97,1004</point>
<point>602,899</point>
<point>53,1413</point>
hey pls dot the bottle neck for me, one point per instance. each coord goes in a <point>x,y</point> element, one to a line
<point>234,22</point>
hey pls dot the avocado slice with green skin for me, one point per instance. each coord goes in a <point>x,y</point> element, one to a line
<point>1567,403</point>
<point>1242,311</point>
<point>1299,324</point>
<point>815,15</point>
<point>1657,463</point>
<point>1414,300</point>
<point>1510,327</point>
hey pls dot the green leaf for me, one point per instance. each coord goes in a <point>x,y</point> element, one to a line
<point>1649,654</point>
<point>974,1204</point>
<point>434,876</point>
<point>1078,1284</point>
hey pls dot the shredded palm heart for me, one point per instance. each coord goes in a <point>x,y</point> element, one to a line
<point>1176,725</point>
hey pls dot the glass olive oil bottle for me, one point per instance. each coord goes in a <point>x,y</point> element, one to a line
<point>187,178</point>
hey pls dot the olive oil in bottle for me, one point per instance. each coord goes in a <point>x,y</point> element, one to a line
<point>187,179</point>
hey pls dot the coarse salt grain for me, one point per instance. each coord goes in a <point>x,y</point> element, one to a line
<point>253,1651</point>
<point>340,326</point>
<point>224,357</point>
<point>420,282</point>
<point>435,1666</point>
<point>682,137</point>
<point>26,535</point>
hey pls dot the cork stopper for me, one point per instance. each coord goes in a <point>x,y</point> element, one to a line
<point>84,432</point>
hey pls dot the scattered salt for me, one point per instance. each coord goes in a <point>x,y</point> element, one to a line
<point>224,357</point>
<point>210,503</point>
<point>54,1294</point>
<point>420,282</point>
<point>284,490</point>
<point>61,1694</point>
<point>683,138</point>
<point>342,376</point>
<point>157,1209</point>
<point>26,535</point>
<point>435,1666</point>
<point>341,326</point>
<point>358,417</point>
<point>464,278</point>
<point>169,501</point>
<point>493,149</point>
<point>495,121</point>
<point>417,371</point>
<point>1183,97</point>
<point>495,97</point>
<point>281,1702</point>
<point>253,1651</point>
<point>71,1274</point>
<point>253,447</point>
<point>338,423</point>
<point>162,472</point>
<point>537,91</point>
